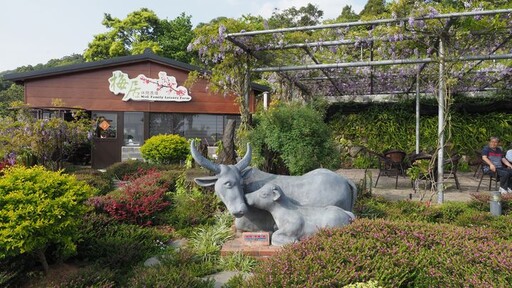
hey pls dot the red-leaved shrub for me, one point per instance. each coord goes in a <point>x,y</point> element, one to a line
<point>142,195</point>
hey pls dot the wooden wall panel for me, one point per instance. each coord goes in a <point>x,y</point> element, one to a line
<point>90,90</point>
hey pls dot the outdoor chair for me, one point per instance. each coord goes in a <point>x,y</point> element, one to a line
<point>391,163</point>
<point>478,163</point>
<point>428,177</point>
<point>493,176</point>
<point>451,167</point>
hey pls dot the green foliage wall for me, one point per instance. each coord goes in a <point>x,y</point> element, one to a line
<point>394,127</point>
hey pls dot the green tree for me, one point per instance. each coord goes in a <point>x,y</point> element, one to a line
<point>294,135</point>
<point>347,15</point>
<point>129,36</point>
<point>39,208</point>
<point>174,38</point>
<point>308,15</point>
<point>374,8</point>
<point>139,31</point>
<point>227,62</point>
<point>66,60</point>
<point>12,94</point>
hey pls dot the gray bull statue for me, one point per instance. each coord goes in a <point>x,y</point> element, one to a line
<point>320,187</point>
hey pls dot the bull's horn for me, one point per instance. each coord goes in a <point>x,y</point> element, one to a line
<point>203,162</point>
<point>246,160</point>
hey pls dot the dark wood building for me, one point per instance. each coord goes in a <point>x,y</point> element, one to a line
<point>132,98</point>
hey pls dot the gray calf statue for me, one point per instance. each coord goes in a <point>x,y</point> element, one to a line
<point>295,222</point>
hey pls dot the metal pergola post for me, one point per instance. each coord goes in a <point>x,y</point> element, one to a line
<point>440,125</point>
<point>418,110</point>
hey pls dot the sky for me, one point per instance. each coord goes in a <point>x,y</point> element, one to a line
<point>36,31</point>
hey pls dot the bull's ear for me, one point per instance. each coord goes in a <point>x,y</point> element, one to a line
<point>276,194</point>
<point>206,181</point>
<point>246,172</point>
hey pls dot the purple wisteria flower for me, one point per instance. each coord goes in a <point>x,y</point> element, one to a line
<point>11,158</point>
<point>432,12</point>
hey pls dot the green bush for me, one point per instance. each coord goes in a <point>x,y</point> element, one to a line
<point>176,270</point>
<point>295,135</point>
<point>207,241</point>
<point>473,214</point>
<point>39,208</point>
<point>165,149</point>
<point>395,254</point>
<point>237,262</point>
<point>121,170</point>
<point>192,205</point>
<point>480,201</point>
<point>95,179</point>
<point>115,245</point>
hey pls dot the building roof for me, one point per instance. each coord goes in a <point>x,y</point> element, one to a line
<point>20,78</point>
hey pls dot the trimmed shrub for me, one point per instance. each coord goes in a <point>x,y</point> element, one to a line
<point>39,208</point>
<point>395,254</point>
<point>122,170</point>
<point>481,201</point>
<point>165,149</point>
<point>138,200</point>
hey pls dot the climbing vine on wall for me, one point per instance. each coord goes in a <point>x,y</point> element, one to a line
<point>379,129</point>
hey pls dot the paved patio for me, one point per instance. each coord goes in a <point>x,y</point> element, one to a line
<point>386,186</point>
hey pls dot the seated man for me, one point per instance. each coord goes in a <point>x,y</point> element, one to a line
<point>492,155</point>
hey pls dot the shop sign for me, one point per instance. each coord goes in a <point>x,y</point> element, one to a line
<point>142,88</point>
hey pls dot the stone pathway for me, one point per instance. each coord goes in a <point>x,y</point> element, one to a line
<point>386,186</point>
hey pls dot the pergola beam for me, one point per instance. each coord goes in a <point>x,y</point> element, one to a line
<point>380,63</point>
<point>367,23</point>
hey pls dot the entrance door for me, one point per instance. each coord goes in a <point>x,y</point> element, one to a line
<point>107,142</point>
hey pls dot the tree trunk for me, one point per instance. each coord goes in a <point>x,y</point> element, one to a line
<point>42,258</point>
<point>227,154</point>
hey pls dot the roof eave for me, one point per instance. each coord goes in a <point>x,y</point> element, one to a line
<point>20,78</point>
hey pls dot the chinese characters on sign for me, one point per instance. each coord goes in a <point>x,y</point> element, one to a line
<point>142,88</point>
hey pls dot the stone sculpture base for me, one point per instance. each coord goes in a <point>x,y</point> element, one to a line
<point>254,244</point>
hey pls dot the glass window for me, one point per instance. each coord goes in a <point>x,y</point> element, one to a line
<point>106,124</point>
<point>133,128</point>
<point>207,127</point>
<point>160,123</point>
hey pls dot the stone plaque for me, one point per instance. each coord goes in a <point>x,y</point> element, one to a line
<point>256,238</point>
